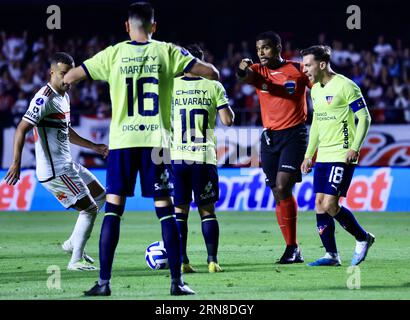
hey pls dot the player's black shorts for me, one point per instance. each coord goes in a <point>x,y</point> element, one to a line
<point>122,169</point>
<point>283,150</point>
<point>199,178</point>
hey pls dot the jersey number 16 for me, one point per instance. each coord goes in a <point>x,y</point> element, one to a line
<point>141,95</point>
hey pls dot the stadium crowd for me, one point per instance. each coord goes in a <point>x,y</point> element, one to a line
<point>382,72</point>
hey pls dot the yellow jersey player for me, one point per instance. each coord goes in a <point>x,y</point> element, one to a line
<point>337,100</point>
<point>196,101</point>
<point>140,73</point>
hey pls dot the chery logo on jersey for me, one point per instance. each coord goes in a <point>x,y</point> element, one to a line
<point>19,196</point>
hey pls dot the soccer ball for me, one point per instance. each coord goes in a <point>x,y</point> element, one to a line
<point>156,256</point>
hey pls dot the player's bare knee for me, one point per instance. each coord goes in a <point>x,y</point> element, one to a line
<point>206,210</point>
<point>281,191</point>
<point>319,205</point>
<point>205,214</point>
<point>331,207</point>
<point>318,202</point>
<point>115,199</point>
<point>163,202</point>
<point>184,208</point>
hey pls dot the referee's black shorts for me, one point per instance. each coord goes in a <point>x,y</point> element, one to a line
<point>283,150</point>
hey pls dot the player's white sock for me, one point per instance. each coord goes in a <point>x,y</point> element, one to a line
<point>81,233</point>
<point>329,255</point>
<point>360,245</point>
<point>100,201</point>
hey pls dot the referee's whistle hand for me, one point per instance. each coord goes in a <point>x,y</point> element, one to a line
<point>245,63</point>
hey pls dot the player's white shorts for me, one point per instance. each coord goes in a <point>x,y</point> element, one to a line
<point>70,186</point>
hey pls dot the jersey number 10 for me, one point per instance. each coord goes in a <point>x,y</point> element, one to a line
<point>141,95</point>
<point>185,130</point>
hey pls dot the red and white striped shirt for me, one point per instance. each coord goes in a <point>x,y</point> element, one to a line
<point>49,112</point>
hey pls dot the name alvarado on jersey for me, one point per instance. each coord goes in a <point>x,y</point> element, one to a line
<point>192,101</point>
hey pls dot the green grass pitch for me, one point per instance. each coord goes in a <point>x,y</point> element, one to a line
<point>250,243</point>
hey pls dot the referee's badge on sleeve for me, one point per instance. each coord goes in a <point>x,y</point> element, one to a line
<point>290,86</point>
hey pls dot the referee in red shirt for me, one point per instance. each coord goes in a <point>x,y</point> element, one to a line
<point>281,88</point>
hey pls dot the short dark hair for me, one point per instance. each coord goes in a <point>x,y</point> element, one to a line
<point>319,52</point>
<point>195,50</point>
<point>61,57</point>
<point>142,11</point>
<point>270,35</point>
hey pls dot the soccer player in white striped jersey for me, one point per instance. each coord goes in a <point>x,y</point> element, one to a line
<point>72,184</point>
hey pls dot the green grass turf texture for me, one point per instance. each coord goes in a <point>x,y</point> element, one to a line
<point>250,243</point>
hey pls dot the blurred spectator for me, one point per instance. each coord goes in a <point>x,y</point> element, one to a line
<point>376,66</point>
<point>6,102</point>
<point>405,60</point>
<point>357,76</point>
<point>15,70</point>
<point>391,115</point>
<point>397,86</point>
<point>26,82</point>
<point>403,102</point>
<point>339,55</point>
<point>3,60</point>
<point>375,92</point>
<point>19,108</point>
<point>393,67</point>
<point>14,46</point>
<point>352,55</point>
<point>382,48</point>
<point>39,45</point>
